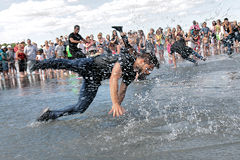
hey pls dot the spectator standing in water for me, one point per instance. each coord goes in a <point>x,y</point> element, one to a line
<point>59,50</point>
<point>74,39</point>
<point>22,60</point>
<point>4,61</point>
<point>160,41</point>
<point>228,38</point>
<point>30,51</point>
<point>150,43</point>
<point>11,60</point>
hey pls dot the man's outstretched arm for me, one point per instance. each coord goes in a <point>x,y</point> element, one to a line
<point>122,92</point>
<point>116,97</point>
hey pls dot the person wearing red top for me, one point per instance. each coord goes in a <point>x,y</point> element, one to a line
<point>16,48</point>
<point>22,59</point>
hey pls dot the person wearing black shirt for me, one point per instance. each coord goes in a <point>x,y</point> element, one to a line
<point>228,36</point>
<point>96,69</point>
<point>180,47</point>
<point>74,39</point>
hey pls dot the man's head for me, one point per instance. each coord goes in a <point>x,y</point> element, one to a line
<point>194,22</point>
<point>76,28</point>
<point>204,24</point>
<point>60,42</point>
<point>57,39</point>
<point>152,31</point>
<point>145,63</point>
<point>28,41</point>
<point>226,20</point>
<point>99,35</point>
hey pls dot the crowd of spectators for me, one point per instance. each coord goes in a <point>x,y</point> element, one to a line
<point>204,39</point>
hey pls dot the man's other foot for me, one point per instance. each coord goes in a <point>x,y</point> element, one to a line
<point>204,58</point>
<point>45,115</point>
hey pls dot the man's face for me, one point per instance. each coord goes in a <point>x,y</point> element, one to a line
<point>226,21</point>
<point>99,36</point>
<point>77,29</point>
<point>145,69</point>
<point>28,42</point>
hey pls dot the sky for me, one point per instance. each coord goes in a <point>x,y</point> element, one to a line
<point>42,20</point>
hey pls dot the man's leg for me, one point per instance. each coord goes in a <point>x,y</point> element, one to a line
<point>191,60</point>
<point>77,53</point>
<point>87,94</point>
<point>197,55</point>
<point>77,65</point>
<point>29,64</point>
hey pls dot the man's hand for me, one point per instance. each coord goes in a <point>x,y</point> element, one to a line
<point>117,110</point>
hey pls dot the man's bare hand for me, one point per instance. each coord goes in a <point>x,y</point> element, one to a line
<point>117,110</point>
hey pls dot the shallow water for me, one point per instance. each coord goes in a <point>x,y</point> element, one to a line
<point>188,113</point>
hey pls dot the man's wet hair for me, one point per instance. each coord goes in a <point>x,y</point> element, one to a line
<point>149,58</point>
<point>225,19</point>
<point>76,26</point>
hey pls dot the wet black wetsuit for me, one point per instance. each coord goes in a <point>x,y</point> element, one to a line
<point>185,51</point>
<point>74,50</point>
<point>93,70</point>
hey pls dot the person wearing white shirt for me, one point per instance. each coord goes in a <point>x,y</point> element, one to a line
<point>30,51</point>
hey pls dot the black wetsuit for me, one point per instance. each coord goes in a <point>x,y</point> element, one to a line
<point>93,70</point>
<point>185,51</point>
<point>74,50</point>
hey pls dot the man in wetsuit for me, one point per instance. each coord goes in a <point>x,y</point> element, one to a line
<point>96,69</point>
<point>74,39</point>
<point>180,47</point>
